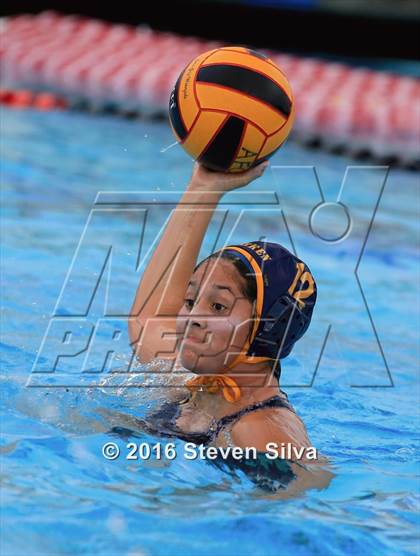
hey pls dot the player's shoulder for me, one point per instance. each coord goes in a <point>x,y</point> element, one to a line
<point>279,425</point>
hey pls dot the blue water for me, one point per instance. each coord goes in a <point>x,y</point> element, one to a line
<point>353,378</point>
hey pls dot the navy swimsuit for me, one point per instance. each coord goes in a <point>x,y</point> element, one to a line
<point>269,475</point>
<point>165,419</point>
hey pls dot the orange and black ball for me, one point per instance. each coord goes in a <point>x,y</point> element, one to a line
<point>231,108</point>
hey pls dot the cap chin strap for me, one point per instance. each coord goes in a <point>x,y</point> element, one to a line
<point>216,383</point>
<point>243,357</point>
<point>248,359</point>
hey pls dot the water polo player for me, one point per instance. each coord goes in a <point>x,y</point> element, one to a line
<point>234,316</point>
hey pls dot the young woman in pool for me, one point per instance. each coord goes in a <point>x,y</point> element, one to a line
<point>228,320</point>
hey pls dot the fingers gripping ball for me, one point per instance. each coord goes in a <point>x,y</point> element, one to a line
<point>231,108</point>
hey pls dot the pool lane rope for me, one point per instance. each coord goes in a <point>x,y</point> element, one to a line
<point>23,98</point>
<point>80,61</point>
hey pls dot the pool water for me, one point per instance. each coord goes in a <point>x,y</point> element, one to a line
<point>73,191</point>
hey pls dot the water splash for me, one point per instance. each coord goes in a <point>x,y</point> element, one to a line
<point>169,147</point>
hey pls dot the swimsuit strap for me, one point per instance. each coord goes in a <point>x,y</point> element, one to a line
<point>167,414</point>
<point>274,401</point>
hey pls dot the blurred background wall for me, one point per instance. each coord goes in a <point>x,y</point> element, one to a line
<point>349,28</point>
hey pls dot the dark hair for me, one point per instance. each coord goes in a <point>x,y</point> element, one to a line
<point>249,289</point>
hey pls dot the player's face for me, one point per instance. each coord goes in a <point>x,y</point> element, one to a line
<point>216,318</point>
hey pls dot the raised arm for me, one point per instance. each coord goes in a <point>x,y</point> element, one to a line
<point>164,282</point>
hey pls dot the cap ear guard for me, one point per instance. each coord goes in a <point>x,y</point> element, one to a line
<point>283,325</point>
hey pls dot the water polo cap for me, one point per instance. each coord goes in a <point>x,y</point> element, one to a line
<point>286,295</point>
